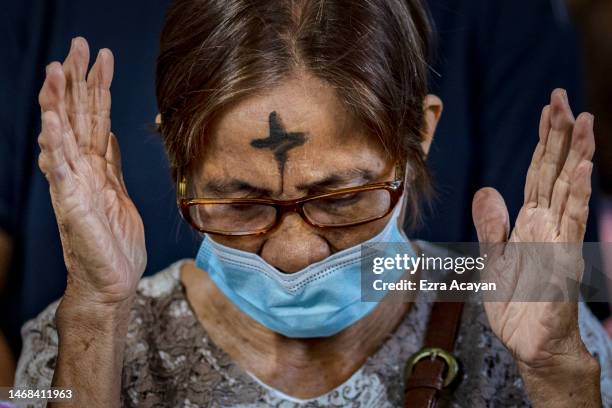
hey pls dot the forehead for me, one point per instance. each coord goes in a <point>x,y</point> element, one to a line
<point>301,100</point>
<point>302,104</point>
<point>331,140</point>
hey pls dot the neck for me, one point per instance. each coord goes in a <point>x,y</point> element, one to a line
<point>299,367</point>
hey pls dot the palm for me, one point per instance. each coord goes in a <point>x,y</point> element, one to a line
<point>528,320</point>
<point>101,230</point>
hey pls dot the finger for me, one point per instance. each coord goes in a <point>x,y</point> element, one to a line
<point>582,148</point>
<point>491,219</point>
<point>557,146</point>
<point>53,91</point>
<point>113,158</point>
<point>573,223</point>
<point>51,99</point>
<point>531,182</point>
<point>52,159</point>
<point>75,68</point>
<point>98,86</point>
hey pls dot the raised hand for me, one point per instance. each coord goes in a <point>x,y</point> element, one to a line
<point>542,333</point>
<point>101,231</point>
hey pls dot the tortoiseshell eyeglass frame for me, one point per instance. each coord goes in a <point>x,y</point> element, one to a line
<point>395,189</point>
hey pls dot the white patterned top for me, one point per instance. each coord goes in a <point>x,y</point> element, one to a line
<point>170,360</point>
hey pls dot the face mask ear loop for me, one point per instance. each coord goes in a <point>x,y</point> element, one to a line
<point>399,212</point>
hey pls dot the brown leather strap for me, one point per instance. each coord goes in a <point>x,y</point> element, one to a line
<point>423,387</point>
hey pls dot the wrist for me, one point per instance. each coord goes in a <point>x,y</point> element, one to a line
<point>566,380</point>
<point>92,337</point>
<point>84,312</point>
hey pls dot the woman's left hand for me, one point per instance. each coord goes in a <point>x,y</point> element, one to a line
<point>543,334</point>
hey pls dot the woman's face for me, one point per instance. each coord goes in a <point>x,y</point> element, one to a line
<point>293,141</point>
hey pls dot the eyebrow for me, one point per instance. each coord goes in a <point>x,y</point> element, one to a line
<point>354,176</point>
<point>228,186</point>
<point>339,180</point>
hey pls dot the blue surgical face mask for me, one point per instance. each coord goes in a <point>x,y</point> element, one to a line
<point>318,301</point>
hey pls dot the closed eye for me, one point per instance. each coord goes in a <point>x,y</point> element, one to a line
<point>341,200</point>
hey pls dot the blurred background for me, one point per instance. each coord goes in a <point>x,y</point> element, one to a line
<point>494,66</point>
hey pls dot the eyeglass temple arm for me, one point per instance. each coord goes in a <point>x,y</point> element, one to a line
<point>400,172</point>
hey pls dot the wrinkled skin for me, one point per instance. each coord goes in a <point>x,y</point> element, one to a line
<point>101,231</point>
<point>555,210</point>
<point>103,239</point>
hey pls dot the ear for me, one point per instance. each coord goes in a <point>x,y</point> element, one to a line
<point>158,119</point>
<point>432,109</point>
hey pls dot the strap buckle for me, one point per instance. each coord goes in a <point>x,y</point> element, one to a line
<point>434,352</point>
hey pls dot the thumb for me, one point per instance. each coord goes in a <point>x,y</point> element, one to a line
<point>491,219</point>
<point>113,159</point>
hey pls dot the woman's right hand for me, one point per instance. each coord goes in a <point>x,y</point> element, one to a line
<point>101,231</point>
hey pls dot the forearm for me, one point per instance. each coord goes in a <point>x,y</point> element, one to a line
<point>90,352</point>
<point>571,381</point>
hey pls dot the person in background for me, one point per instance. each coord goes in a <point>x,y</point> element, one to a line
<point>485,63</point>
<point>593,18</point>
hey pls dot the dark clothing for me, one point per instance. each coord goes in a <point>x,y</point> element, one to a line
<point>41,32</point>
<point>495,67</point>
<point>497,63</point>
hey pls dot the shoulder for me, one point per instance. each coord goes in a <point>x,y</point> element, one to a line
<point>157,297</point>
<point>162,283</point>
<point>489,368</point>
<point>490,374</point>
<point>159,302</point>
<point>37,360</point>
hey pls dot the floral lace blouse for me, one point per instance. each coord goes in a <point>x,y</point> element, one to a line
<point>170,361</point>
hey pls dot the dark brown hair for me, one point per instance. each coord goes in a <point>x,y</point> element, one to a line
<point>373,52</point>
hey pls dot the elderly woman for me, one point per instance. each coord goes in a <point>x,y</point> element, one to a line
<point>297,132</point>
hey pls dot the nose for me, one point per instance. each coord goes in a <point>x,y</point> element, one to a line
<point>294,245</point>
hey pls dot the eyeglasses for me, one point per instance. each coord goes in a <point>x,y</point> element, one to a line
<point>254,216</point>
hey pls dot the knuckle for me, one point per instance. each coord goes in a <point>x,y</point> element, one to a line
<point>42,141</point>
<point>43,96</point>
<point>41,160</point>
<point>564,176</point>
